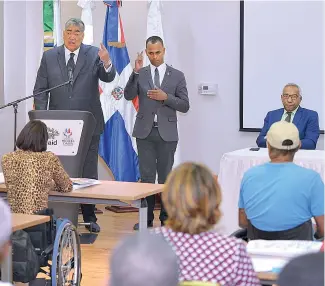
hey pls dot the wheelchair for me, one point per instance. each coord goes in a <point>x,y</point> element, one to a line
<point>58,248</point>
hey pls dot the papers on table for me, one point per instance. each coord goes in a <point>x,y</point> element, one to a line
<point>80,183</point>
<point>2,179</point>
<point>282,248</point>
<point>272,255</point>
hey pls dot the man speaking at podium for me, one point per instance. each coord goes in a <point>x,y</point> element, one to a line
<point>83,65</point>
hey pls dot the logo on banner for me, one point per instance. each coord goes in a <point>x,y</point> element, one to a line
<point>68,140</point>
<point>53,133</point>
<point>118,92</point>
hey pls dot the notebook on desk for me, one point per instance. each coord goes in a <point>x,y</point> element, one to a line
<point>79,183</point>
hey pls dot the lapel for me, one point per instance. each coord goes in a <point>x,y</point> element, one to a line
<point>80,61</point>
<point>149,76</point>
<point>62,64</point>
<point>298,116</point>
<point>279,115</point>
<point>166,77</point>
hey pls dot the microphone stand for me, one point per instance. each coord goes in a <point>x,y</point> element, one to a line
<point>14,104</point>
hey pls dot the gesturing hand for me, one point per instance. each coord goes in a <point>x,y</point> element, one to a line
<point>157,94</point>
<point>138,62</point>
<point>104,55</point>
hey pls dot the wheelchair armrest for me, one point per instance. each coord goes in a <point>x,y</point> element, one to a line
<point>240,233</point>
<point>48,212</point>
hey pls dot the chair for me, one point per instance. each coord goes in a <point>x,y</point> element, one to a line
<point>300,232</point>
<point>51,241</point>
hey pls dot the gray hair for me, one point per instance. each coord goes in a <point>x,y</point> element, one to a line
<point>5,225</point>
<point>293,85</point>
<point>75,22</point>
<point>144,259</point>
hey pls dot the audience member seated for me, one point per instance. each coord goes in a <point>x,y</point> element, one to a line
<point>192,199</point>
<point>143,259</point>
<point>279,198</point>
<point>306,120</point>
<point>305,270</point>
<point>5,233</point>
<point>31,172</point>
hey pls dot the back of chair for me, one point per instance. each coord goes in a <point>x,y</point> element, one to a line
<point>301,232</point>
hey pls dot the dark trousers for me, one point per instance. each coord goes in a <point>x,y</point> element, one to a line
<point>90,171</point>
<point>155,156</point>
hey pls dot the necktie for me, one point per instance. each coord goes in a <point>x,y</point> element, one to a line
<point>71,63</point>
<point>288,118</point>
<point>156,79</point>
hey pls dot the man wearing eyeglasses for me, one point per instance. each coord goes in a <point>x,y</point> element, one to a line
<point>306,120</point>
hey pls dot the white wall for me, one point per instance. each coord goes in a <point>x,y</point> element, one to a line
<point>22,43</point>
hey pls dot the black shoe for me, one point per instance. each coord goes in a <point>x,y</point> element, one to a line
<point>93,227</point>
<point>149,224</point>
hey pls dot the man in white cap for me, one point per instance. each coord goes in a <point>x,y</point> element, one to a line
<point>280,196</point>
<point>5,233</point>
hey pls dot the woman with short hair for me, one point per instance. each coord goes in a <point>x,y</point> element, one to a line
<point>192,199</point>
<point>31,172</point>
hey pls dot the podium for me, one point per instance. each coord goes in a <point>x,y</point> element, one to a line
<point>70,133</point>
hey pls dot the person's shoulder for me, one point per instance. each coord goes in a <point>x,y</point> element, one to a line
<point>231,241</point>
<point>305,172</point>
<point>309,111</point>
<point>255,170</point>
<point>53,51</point>
<point>175,71</point>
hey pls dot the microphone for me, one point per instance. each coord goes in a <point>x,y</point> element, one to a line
<point>70,75</point>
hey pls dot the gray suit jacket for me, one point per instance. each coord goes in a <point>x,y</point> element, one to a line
<point>174,84</point>
<point>84,94</point>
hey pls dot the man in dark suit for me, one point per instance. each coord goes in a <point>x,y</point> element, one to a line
<point>86,64</point>
<point>305,120</point>
<point>162,91</point>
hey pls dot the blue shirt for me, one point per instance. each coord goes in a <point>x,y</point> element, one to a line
<point>280,196</point>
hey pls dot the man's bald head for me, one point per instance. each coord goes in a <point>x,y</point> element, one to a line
<point>144,259</point>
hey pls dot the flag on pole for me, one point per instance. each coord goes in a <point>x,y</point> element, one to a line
<point>87,17</point>
<point>117,146</point>
<point>155,28</point>
<point>52,24</point>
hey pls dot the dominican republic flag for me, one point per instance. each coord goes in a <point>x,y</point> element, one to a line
<point>117,146</point>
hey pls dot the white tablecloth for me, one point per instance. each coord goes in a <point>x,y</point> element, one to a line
<point>233,165</point>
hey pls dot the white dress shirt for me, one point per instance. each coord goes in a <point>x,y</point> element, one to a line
<point>161,70</point>
<point>75,58</point>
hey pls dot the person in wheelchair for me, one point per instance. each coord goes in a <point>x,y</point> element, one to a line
<point>31,172</point>
<point>192,199</point>
<point>5,227</point>
<point>278,199</point>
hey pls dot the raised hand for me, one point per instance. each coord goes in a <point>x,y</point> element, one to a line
<point>139,62</point>
<point>104,55</point>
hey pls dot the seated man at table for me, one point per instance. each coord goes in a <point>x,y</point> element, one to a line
<point>279,196</point>
<point>5,233</point>
<point>306,120</point>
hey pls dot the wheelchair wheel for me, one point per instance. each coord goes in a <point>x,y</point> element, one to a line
<point>66,259</point>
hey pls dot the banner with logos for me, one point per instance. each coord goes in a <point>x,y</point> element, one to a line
<point>64,136</point>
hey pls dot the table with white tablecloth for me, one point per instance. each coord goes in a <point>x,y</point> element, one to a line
<point>233,165</point>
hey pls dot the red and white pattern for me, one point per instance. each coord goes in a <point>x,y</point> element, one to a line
<point>211,257</point>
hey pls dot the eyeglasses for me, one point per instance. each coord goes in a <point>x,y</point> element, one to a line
<point>293,96</point>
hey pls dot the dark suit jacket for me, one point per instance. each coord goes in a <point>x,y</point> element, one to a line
<point>84,94</point>
<point>306,121</point>
<point>174,84</point>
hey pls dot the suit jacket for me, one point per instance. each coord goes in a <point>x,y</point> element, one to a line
<point>84,94</point>
<point>306,121</point>
<point>174,84</point>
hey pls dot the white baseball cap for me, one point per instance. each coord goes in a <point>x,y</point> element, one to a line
<point>283,135</point>
<point>5,223</point>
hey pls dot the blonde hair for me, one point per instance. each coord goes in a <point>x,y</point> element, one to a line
<point>192,198</point>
